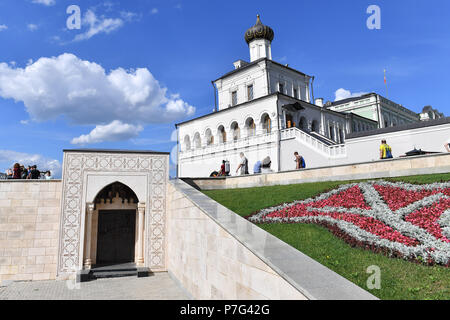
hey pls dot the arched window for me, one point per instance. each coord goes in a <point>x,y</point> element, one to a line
<point>209,137</point>
<point>266,123</point>
<point>315,126</point>
<point>235,131</point>
<point>250,127</point>
<point>221,134</point>
<point>197,141</point>
<point>187,143</point>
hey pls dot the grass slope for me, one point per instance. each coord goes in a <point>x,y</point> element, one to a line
<point>399,279</point>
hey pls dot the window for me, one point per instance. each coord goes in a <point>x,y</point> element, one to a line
<point>250,92</point>
<point>295,93</point>
<point>266,123</point>
<point>234,98</point>
<point>280,87</point>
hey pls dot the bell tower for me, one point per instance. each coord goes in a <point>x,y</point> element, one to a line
<point>259,39</point>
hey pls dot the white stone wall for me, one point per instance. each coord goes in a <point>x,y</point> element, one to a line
<point>29,224</point>
<point>312,158</point>
<point>212,264</point>
<point>378,169</point>
<point>291,80</point>
<point>427,139</point>
<point>254,75</point>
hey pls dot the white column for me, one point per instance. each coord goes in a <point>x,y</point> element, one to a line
<point>336,135</point>
<point>141,211</point>
<point>89,212</point>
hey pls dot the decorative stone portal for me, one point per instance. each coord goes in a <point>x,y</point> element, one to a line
<point>114,234</point>
<point>113,209</point>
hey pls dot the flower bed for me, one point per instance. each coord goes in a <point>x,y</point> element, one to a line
<point>398,219</point>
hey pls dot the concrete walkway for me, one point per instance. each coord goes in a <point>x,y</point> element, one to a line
<point>159,286</point>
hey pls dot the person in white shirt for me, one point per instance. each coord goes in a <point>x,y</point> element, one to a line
<point>243,165</point>
<point>48,175</point>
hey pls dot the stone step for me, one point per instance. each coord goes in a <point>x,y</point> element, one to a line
<point>112,271</point>
<point>113,274</point>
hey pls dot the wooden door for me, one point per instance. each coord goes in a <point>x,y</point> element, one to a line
<point>116,236</point>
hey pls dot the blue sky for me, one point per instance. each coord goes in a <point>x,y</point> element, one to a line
<point>137,67</point>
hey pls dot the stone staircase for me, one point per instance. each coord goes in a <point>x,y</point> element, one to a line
<point>112,271</point>
<point>322,145</point>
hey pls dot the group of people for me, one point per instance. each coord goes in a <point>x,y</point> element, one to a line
<point>21,172</point>
<point>259,167</point>
<point>264,165</point>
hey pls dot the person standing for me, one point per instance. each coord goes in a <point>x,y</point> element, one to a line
<point>34,173</point>
<point>243,165</point>
<point>385,150</point>
<point>24,173</point>
<point>222,169</point>
<point>17,174</point>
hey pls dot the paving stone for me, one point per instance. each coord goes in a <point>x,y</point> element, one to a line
<point>159,286</point>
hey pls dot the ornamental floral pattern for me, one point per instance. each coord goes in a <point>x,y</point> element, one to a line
<point>76,164</point>
<point>397,219</point>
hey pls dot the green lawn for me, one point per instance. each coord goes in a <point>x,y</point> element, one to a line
<point>399,279</point>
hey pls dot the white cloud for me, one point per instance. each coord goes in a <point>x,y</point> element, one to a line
<point>341,94</point>
<point>115,131</point>
<point>3,27</point>
<point>97,25</point>
<point>82,92</point>
<point>24,122</point>
<point>10,157</point>
<point>32,27</point>
<point>154,11</point>
<point>129,16</point>
<point>45,2</point>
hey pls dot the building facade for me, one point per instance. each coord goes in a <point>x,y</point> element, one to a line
<point>373,106</point>
<point>267,109</point>
<point>264,108</point>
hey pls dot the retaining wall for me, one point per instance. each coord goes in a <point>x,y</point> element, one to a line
<point>29,224</point>
<point>426,164</point>
<point>216,254</point>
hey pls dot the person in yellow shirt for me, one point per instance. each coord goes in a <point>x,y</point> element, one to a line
<point>385,150</point>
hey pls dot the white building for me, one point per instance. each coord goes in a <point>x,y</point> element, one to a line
<point>373,106</point>
<point>265,108</point>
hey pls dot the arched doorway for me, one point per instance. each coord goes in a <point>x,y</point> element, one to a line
<point>302,124</point>
<point>221,134</point>
<point>289,121</point>
<point>315,126</point>
<point>251,127</point>
<point>115,226</point>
